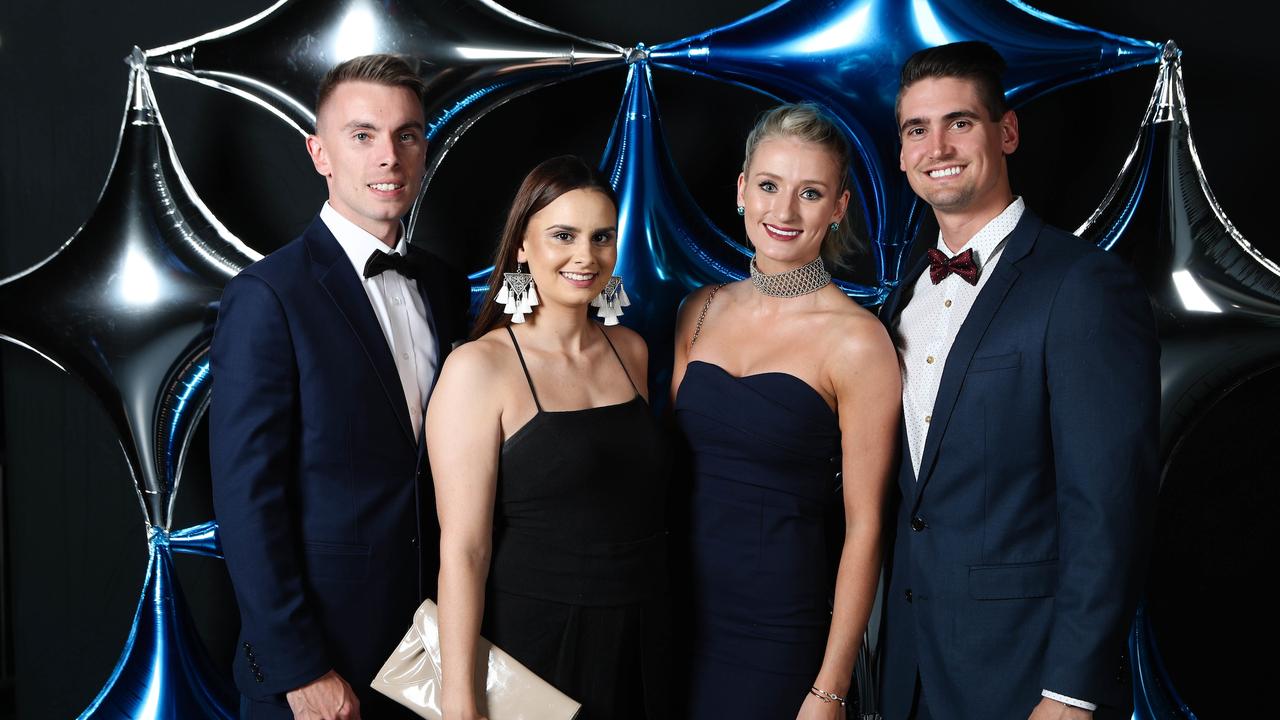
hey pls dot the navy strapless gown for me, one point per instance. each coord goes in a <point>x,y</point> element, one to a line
<point>765,452</point>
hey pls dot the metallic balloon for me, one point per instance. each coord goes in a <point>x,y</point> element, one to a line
<point>845,55</point>
<point>1154,696</point>
<point>1216,299</point>
<point>127,305</point>
<point>131,297</point>
<point>1216,296</point>
<point>666,245</point>
<point>164,671</point>
<point>473,55</point>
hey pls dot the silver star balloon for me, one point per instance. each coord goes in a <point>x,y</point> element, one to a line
<point>1216,299</point>
<point>1216,296</point>
<point>127,306</point>
<point>473,55</point>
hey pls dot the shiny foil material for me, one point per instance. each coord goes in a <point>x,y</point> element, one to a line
<point>846,55</point>
<point>127,305</point>
<point>473,56</point>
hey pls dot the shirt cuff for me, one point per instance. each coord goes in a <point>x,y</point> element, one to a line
<point>1069,700</point>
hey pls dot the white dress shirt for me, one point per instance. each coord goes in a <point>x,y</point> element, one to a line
<point>927,328</point>
<point>400,311</point>
<point>929,323</point>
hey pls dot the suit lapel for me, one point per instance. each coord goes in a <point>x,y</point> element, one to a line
<point>333,271</point>
<point>971,332</point>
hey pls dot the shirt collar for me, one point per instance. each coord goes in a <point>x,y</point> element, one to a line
<point>985,241</point>
<point>358,244</point>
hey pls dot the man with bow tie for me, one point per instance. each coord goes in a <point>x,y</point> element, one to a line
<point>323,358</point>
<point>1029,440</point>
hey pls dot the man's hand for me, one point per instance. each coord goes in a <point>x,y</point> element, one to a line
<point>328,697</point>
<point>1053,710</point>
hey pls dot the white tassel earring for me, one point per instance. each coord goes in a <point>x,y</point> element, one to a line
<point>611,300</point>
<point>517,294</point>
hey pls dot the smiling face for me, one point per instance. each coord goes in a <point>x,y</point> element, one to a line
<point>790,194</point>
<point>370,148</point>
<point>952,151</point>
<point>571,246</point>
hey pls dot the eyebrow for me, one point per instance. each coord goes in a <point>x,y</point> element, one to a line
<point>366,125</point>
<point>953,115</point>
<point>770,175</point>
<point>572,229</point>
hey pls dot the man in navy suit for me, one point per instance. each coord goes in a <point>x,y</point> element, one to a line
<point>323,358</point>
<point>1029,438</point>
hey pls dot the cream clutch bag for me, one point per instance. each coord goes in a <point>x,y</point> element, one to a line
<point>411,677</point>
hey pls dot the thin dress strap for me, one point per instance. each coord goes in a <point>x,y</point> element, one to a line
<point>615,354</point>
<point>525,367</point>
<point>703,315</point>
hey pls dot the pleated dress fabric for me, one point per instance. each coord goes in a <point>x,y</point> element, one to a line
<point>577,583</point>
<point>765,452</point>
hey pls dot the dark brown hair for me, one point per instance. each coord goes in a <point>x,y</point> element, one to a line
<point>546,182</point>
<point>381,69</point>
<point>972,60</point>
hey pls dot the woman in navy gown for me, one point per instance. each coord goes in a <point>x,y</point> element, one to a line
<point>785,390</point>
<point>550,471</point>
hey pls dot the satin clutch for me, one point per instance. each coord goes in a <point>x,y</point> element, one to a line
<point>411,677</point>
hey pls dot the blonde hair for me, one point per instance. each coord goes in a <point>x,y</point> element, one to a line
<point>808,122</point>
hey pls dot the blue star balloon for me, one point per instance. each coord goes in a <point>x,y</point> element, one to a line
<point>127,306</point>
<point>845,55</point>
<point>473,56</point>
<point>667,246</point>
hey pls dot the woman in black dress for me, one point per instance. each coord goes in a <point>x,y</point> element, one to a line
<point>782,384</point>
<point>550,473</point>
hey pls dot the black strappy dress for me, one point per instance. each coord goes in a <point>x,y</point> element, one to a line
<point>577,584</point>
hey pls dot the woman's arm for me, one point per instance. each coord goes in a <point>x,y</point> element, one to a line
<point>464,438</point>
<point>864,373</point>
<point>686,320</point>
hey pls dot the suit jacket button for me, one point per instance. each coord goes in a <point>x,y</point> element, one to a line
<point>918,524</point>
<point>908,594</point>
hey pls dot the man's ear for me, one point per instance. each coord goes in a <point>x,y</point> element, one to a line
<point>1009,132</point>
<point>315,148</point>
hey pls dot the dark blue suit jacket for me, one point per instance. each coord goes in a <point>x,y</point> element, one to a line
<point>1020,548</point>
<point>320,488</point>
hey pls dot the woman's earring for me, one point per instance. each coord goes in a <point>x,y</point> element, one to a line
<point>517,294</point>
<point>611,300</point>
<point>833,226</point>
<point>742,211</point>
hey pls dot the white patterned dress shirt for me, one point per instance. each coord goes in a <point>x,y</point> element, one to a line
<point>400,311</point>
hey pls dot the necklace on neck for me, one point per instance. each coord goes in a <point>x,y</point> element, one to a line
<point>810,277</point>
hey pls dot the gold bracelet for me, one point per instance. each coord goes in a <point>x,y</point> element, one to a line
<point>826,697</point>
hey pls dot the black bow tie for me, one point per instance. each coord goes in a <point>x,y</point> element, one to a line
<point>380,262</point>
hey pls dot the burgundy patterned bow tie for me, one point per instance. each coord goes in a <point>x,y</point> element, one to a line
<point>963,265</point>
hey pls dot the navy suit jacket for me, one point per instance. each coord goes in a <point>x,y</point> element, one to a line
<point>1019,551</point>
<point>320,488</point>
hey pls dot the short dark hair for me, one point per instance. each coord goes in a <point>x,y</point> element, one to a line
<point>972,60</point>
<point>541,187</point>
<point>380,69</point>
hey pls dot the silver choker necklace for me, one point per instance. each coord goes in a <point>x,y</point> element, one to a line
<point>807,278</point>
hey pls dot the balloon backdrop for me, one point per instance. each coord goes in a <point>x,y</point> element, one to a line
<point>473,55</point>
<point>127,304</point>
<point>846,56</point>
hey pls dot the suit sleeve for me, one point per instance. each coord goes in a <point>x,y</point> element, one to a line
<point>1102,363</point>
<point>253,432</point>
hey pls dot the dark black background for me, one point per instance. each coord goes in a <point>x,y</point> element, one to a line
<point>72,532</point>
